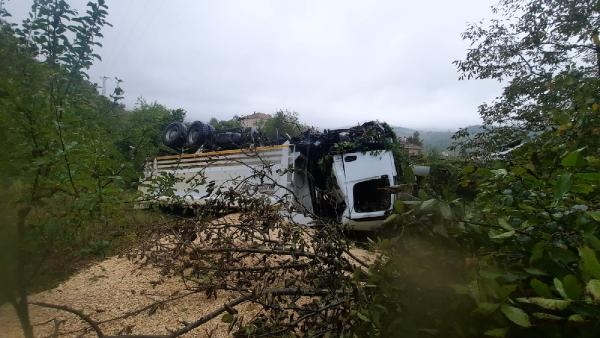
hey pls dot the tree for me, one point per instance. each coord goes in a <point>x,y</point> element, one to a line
<point>222,125</point>
<point>528,221</point>
<point>527,226</point>
<point>542,50</point>
<point>61,163</point>
<point>283,124</point>
<point>141,132</point>
<point>415,139</point>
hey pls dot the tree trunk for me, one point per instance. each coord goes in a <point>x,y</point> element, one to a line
<point>598,60</point>
<point>22,309</point>
<point>21,306</point>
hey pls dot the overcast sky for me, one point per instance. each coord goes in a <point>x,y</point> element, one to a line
<point>334,62</point>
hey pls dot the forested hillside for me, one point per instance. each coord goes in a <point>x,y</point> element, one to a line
<point>432,139</point>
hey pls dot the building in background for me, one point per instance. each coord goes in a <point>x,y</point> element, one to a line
<point>411,148</point>
<point>253,120</point>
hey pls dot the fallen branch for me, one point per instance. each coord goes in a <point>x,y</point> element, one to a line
<point>290,252</point>
<point>139,310</point>
<point>225,308</point>
<point>257,268</point>
<point>358,260</point>
<point>78,313</point>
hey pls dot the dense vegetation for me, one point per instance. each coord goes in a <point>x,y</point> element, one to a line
<point>70,155</point>
<point>519,226</point>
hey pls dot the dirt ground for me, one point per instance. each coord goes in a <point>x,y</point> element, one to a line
<point>110,289</point>
<point>116,286</point>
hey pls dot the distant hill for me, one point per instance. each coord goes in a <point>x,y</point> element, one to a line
<point>432,139</point>
<point>439,140</point>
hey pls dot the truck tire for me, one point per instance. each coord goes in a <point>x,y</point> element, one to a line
<point>199,134</point>
<point>228,140</point>
<point>175,135</point>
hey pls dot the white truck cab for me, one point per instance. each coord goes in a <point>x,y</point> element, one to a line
<point>364,178</point>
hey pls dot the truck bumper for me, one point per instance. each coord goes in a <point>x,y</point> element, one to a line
<point>364,224</point>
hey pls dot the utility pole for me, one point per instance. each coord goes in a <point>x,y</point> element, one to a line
<point>104,78</point>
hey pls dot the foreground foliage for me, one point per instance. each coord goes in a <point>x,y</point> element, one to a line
<point>70,154</point>
<point>527,229</point>
<point>534,48</point>
<point>524,209</point>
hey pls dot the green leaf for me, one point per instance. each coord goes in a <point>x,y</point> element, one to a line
<point>491,272</point>
<point>497,333</point>
<point>445,211</point>
<point>574,159</point>
<point>499,172</point>
<point>577,318</point>
<point>227,318</point>
<point>590,177</point>
<point>537,252</point>
<point>505,290</point>
<point>503,235</point>
<point>582,188</point>
<point>592,241</point>
<point>535,272</point>
<point>428,205</point>
<point>391,218</point>
<point>516,315</point>
<point>572,287</point>
<point>486,308</point>
<point>540,288</point>
<point>399,206</point>
<point>560,288</point>
<point>589,262</point>
<point>546,316</point>
<point>468,169</point>
<point>595,215</point>
<point>546,303</point>
<point>525,225</point>
<point>593,288</point>
<point>562,186</point>
<point>526,207</point>
<point>504,224</point>
<point>363,317</point>
<point>563,255</point>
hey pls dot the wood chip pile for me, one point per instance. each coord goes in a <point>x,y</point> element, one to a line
<point>117,286</point>
<point>112,288</point>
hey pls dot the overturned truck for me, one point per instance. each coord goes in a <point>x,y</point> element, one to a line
<point>341,175</point>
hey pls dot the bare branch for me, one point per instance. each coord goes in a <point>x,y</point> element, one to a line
<point>212,315</point>
<point>78,313</point>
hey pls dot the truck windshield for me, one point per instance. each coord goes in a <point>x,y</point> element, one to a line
<point>369,197</point>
